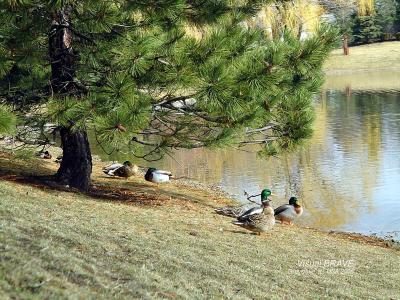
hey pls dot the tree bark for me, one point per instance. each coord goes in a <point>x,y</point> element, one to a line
<point>76,165</point>
<point>62,56</point>
<point>345,45</point>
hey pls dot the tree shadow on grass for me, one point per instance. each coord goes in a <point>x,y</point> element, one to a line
<point>35,173</point>
<point>97,191</point>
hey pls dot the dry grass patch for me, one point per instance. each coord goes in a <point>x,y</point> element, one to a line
<point>379,56</point>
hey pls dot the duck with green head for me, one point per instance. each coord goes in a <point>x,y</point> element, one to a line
<point>237,211</point>
<point>258,222</point>
<point>288,212</point>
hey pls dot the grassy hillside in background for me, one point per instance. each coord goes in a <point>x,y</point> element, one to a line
<point>379,56</point>
<point>166,242</point>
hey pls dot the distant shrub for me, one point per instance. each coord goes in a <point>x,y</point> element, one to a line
<point>388,36</point>
<point>397,35</point>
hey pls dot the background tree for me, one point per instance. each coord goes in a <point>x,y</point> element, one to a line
<point>364,21</point>
<point>366,29</point>
<point>156,75</point>
<point>386,16</point>
<point>377,23</point>
<point>301,17</point>
<point>397,19</point>
<point>341,13</point>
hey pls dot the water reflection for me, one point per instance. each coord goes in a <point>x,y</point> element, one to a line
<point>347,175</point>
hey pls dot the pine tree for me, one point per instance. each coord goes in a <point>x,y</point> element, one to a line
<point>397,18</point>
<point>156,75</point>
<point>386,16</point>
<point>366,29</point>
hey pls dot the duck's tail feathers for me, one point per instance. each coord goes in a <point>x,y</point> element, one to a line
<point>109,172</point>
<point>226,213</point>
<point>237,223</point>
<point>220,211</point>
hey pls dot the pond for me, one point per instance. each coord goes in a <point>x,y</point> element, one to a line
<point>347,175</point>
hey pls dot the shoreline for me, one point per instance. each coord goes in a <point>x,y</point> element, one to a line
<point>139,240</point>
<point>186,185</point>
<point>338,72</point>
<point>370,81</point>
<point>385,242</point>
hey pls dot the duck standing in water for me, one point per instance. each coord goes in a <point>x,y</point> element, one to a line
<point>121,170</point>
<point>157,176</point>
<point>288,212</point>
<point>258,222</point>
<point>236,211</point>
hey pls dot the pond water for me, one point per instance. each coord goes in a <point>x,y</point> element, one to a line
<point>347,176</point>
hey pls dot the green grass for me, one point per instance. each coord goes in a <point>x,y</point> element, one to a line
<point>60,245</point>
<point>380,56</point>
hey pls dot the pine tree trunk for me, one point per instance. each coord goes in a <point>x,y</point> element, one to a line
<point>76,165</point>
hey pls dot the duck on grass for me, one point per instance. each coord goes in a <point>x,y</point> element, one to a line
<point>124,170</point>
<point>260,218</point>
<point>288,212</point>
<point>157,176</point>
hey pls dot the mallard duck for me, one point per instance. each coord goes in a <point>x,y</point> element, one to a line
<point>44,154</point>
<point>157,176</point>
<point>289,212</point>
<point>121,170</point>
<point>236,211</point>
<point>258,222</point>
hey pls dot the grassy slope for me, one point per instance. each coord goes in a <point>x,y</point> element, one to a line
<point>64,245</point>
<point>380,56</point>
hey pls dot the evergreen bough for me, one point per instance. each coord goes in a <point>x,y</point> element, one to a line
<point>156,75</point>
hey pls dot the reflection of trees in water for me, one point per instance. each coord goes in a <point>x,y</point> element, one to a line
<point>356,136</point>
<point>339,171</point>
<point>317,185</point>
